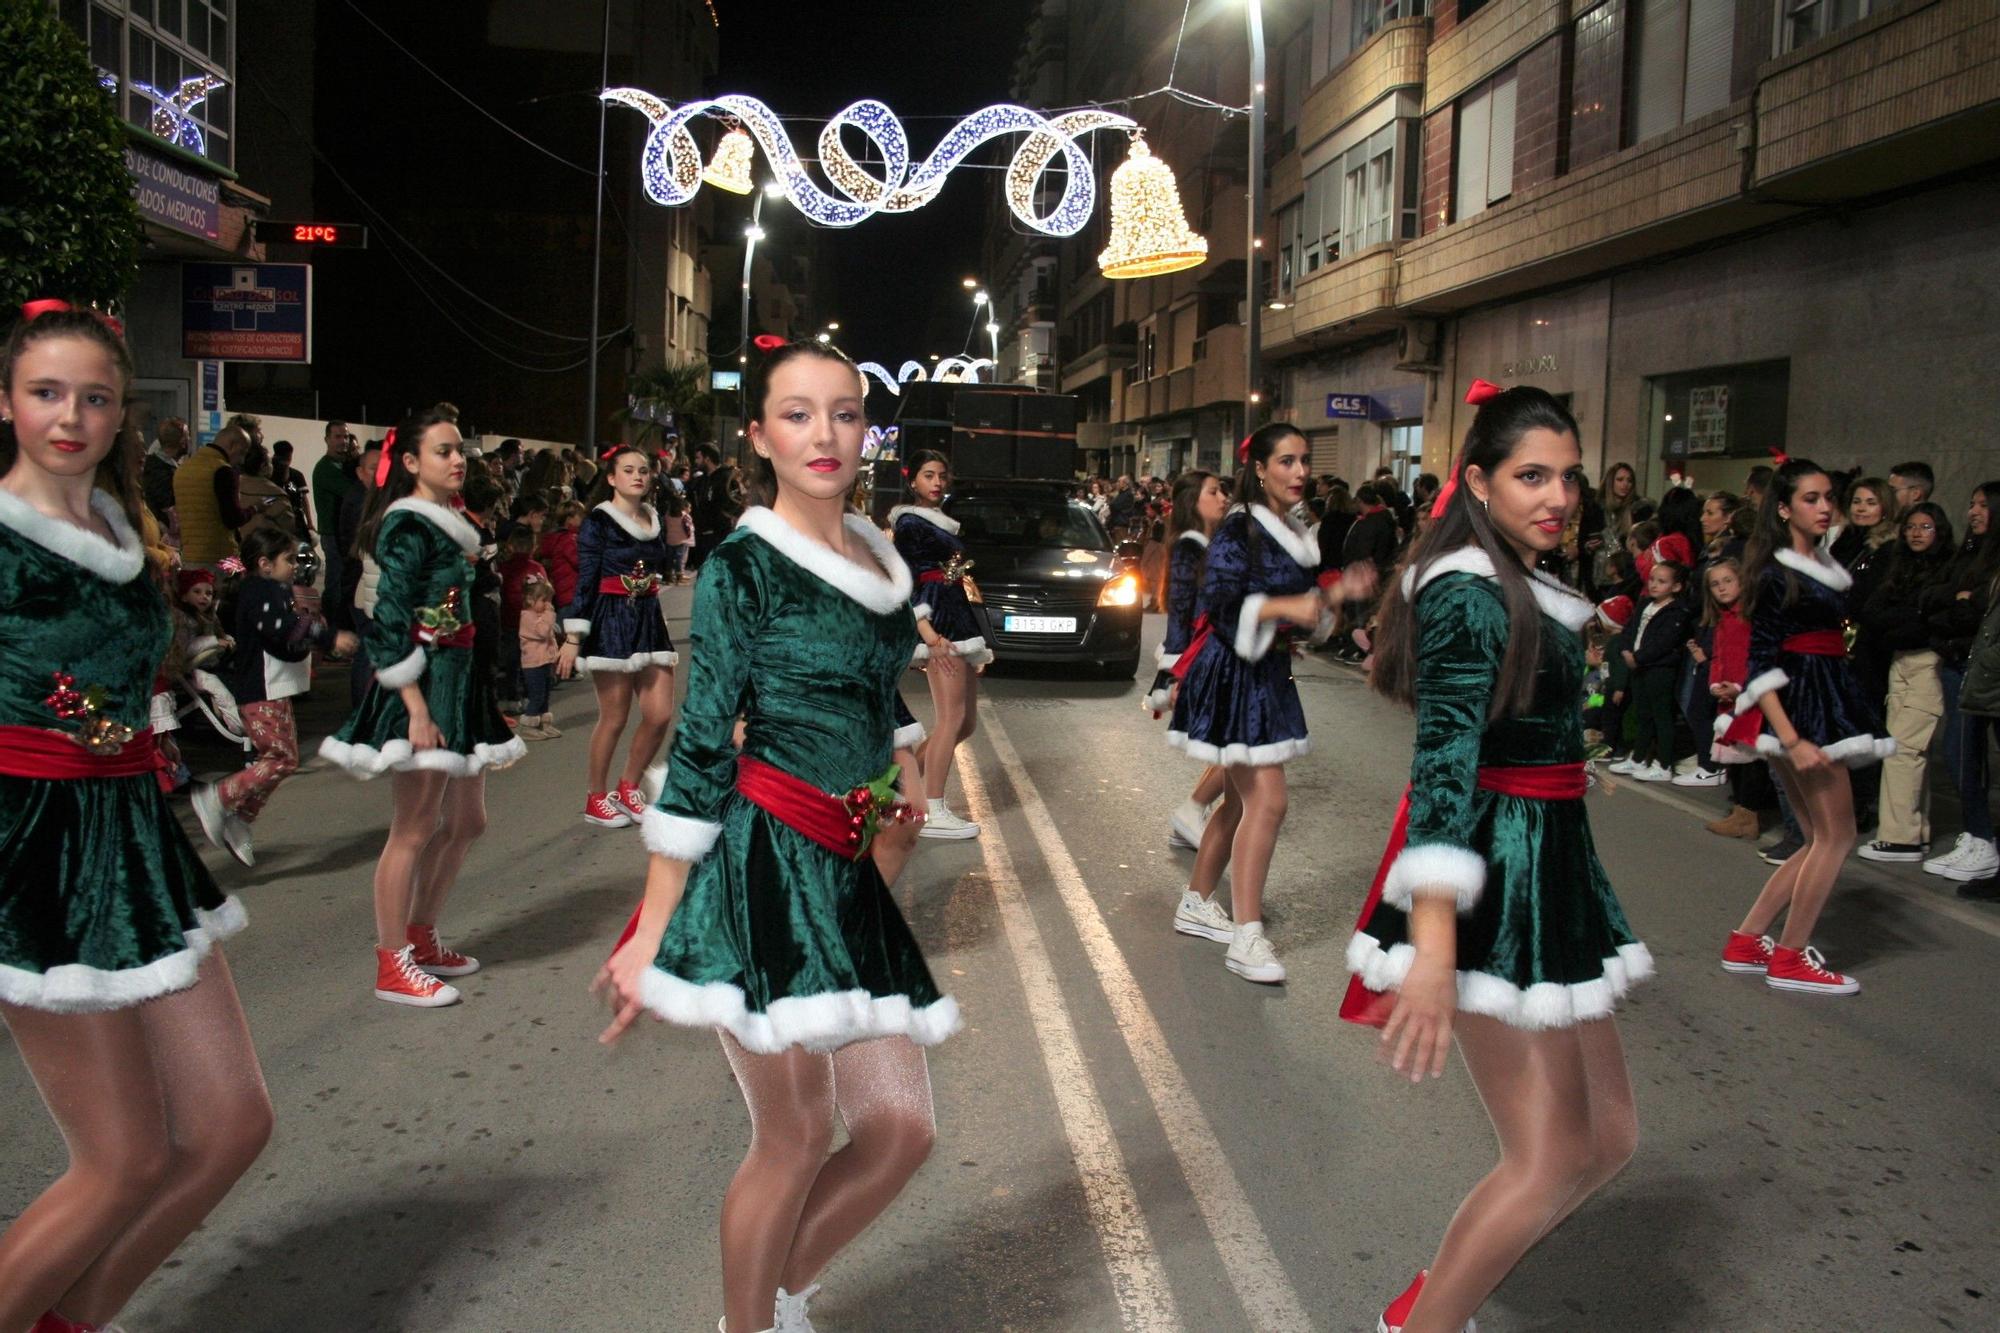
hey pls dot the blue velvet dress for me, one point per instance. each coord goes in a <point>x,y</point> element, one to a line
<point>1821,693</point>
<point>1184,564</point>
<point>627,630</point>
<point>1237,702</point>
<point>927,539</point>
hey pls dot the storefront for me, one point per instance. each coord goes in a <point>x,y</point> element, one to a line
<point>1556,342</point>
<point>1358,412</point>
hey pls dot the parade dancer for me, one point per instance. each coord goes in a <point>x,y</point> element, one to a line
<point>1490,919</point>
<point>767,912</point>
<point>954,650</point>
<point>112,980</point>
<point>1237,705</point>
<point>1199,502</point>
<point>431,717</point>
<point>617,626</point>
<point>1805,711</point>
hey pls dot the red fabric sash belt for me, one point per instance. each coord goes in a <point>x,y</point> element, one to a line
<point>844,825</point>
<point>1816,643</point>
<point>1203,632</point>
<point>614,585</point>
<point>37,752</point>
<point>932,576</point>
<point>1535,782</point>
<point>459,638</point>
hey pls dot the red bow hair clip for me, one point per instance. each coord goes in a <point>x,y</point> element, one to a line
<point>1778,456</point>
<point>50,305</point>
<point>767,342</point>
<point>1481,393</point>
<point>1243,450</point>
<point>382,463</point>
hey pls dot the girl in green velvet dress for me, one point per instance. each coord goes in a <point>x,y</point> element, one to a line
<point>431,716</point>
<point>112,980</point>
<point>767,912</point>
<point>1491,921</point>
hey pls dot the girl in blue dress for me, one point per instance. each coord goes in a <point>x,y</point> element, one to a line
<point>1237,705</point>
<point>617,628</point>
<point>1199,502</point>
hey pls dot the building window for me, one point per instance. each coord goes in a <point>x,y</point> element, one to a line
<point>1680,53</point>
<point>1371,16</point>
<point>1288,239</point>
<point>1802,21</point>
<point>152,53</point>
<point>1319,222</point>
<point>1405,441</point>
<point>1367,196</point>
<point>1485,147</point>
<point>1149,354</point>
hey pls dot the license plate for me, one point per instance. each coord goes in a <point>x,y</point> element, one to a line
<point>1038,624</point>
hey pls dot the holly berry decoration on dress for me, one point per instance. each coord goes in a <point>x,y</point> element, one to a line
<point>873,804</point>
<point>641,582</point>
<point>98,734</point>
<point>440,621</point>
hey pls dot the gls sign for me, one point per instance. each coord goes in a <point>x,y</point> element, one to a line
<point>1352,406</point>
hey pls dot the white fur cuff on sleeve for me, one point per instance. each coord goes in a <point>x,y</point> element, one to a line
<point>906,738</point>
<point>1437,870</point>
<point>1165,660</point>
<point>1759,686</point>
<point>1254,637</point>
<point>576,627</point>
<point>406,672</point>
<point>921,611</point>
<point>678,837</point>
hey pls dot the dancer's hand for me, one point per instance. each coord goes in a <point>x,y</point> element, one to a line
<point>1417,1038</point>
<point>1357,583</point>
<point>1806,757</point>
<point>424,733</point>
<point>618,981</point>
<point>944,656</point>
<point>566,661</point>
<point>892,847</point>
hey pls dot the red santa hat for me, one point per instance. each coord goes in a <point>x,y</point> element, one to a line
<point>1614,613</point>
<point>191,578</point>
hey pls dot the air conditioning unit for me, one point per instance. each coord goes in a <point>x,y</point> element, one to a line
<point>1421,342</point>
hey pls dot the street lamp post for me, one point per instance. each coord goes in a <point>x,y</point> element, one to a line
<point>751,235</point>
<point>597,251</point>
<point>1253,290</point>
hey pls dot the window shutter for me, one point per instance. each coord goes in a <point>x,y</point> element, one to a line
<point>1710,47</point>
<point>1475,123</point>
<point>1658,32</point>
<point>1500,162</point>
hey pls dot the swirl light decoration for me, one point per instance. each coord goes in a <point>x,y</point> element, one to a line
<point>671,163</point>
<point>953,369</point>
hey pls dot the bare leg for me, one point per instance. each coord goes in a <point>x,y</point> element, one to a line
<point>218,1120</point>
<point>1565,1121</point>
<point>790,1096</point>
<point>1780,888</point>
<point>655,689</point>
<point>954,696</point>
<point>1829,807</point>
<point>883,1091</point>
<point>1217,838</point>
<point>1262,791</point>
<point>413,821</point>
<point>614,705</point>
<point>1211,784</point>
<point>464,811</point>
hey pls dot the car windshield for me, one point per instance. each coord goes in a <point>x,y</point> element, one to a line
<point>1027,520</point>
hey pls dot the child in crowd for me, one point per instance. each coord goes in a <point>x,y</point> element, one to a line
<point>1621,577</point>
<point>199,645</point>
<point>557,550</point>
<point>269,661</point>
<point>1651,652</point>
<point>1728,671</point>
<point>1609,673</point>
<point>516,565</point>
<point>540,640</point>
<point>677,529</point>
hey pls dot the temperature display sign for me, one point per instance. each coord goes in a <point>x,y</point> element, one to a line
<point>321,235</point>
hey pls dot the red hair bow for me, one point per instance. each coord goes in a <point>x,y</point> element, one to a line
<point>610,452</point>
<point>50,305</point>
<point>767,342</point>
<point>1483,392</point>
<point>382,463</point>
<point>1778,456</point>
<point>1243,450</point>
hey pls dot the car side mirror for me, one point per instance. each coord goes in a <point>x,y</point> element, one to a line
<point>1129,552</point>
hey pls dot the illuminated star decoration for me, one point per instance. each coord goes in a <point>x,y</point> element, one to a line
<point>951,369</point>
<point>671,164</point>
<point>171,118</point>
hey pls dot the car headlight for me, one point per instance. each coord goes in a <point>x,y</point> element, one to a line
<point>1121,591</point>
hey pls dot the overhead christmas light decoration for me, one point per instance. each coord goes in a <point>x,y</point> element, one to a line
<point>1149,232</point>
<point>729,169</point>
<point>171,119</point>
<point>953,369</point>
<point>672,170</point>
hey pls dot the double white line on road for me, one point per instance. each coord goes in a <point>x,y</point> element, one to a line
<point>1258,1279</point>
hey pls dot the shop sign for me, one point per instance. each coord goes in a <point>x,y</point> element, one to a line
<point>1530,365</point>
<point>246,312</point>
<point>1347,406</point>
<point>173,196</point>
<point>1708,419</point>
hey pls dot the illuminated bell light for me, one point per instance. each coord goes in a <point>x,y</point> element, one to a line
<point>1149,232</point>
<point>729,169</point>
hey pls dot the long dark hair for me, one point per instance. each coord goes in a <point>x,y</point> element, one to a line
<point>1494,435</point>
<point>1186,515</point>
<point>1250,487</point>
<point>1680,511</point>
<point>408,438</point>
<point>921,459</point>
<point>600,485</point>
<point>763,488</point>
<point>1772,533</point>
<point>1911,570</point>
<point>1980,566</point>
<point>118,470</point>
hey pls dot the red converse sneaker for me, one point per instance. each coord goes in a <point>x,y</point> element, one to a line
<point>629,796</point>
<point>430,953</point>
<point>1746,953</point>
<point>601,810</point>
<point>1399,1309</point>
<point>399,980</point>
<point>55,1323</point>
<point>1806,970</point>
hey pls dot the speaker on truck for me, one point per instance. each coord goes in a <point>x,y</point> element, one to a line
<point>982,454</point>
<point>1046,414</point>
<point>983,409</point>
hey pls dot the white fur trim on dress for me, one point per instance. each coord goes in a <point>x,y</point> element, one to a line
<point>1816,567</point>
<point>1548,1004</point>
<point>878,593</point>
<point>365,761</point>
<point>637,662</point>
<point>1289,536</point>
<point>117,561</point>
<point>974,652</point>
<point>817,1022</point>
<point>448,521</point>
<point>1763,683</point>
<point>74,988</point>
<point>1240,756</point>
<point>1164,660</point>
<point>579,627</point>
<point>921,611</point>
<point>1158,701</point>
<point>1851,751</point>
<point>1435,870</point>
<point>1198,538</point>
<point>1555,599</point>
<point>935,517</point>
<point>908,738</point>
<point>406,672</point>
<point>644,529</point>
<point>677,837</point>
<point>1254,637</point>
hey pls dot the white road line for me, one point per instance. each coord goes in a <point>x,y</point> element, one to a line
<point>1259,1280</point>
<point>1145,1299</point>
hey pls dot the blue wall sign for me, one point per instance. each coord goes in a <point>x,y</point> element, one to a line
<point>1352,406</point>
<point>246,312</point>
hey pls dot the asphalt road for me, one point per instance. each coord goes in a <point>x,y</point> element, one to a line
<point>1130,1137</point>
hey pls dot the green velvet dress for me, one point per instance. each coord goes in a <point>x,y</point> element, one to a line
<point>103,903</point>
<point>1542,941</point>
<point>425,553</point>
<point>776,939</point>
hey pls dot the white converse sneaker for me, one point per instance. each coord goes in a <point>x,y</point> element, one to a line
<point>792,1310</point>
<point>1185,825</point>
<point>1203,918</point>
<point>208,812</point>
<point>940,822</point>
<point>1625,765</point>
<point>1251,956</point>
<point>1973,858</point>
<point>236,837</point>
<point>1937,865</point>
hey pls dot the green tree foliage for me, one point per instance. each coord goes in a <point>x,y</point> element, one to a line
<point>68,226</point>
<point>681,388</point>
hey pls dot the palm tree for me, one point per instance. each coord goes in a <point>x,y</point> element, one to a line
<point>680,388</point>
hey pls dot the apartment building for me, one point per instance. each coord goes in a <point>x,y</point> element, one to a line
<point>1718,228</point>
